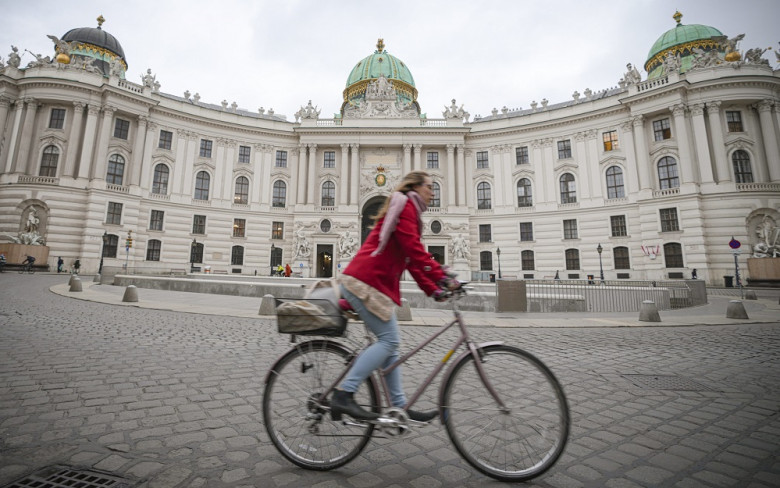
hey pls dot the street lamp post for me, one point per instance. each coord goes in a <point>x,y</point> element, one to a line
<point>601,267</point>
<point>271,260</point>
<point>498,253</point>
<point>103,251</point>
<point>193,246</point>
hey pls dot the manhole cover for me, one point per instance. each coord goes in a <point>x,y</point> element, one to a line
<point>665,382</point>
<point>61,477</point>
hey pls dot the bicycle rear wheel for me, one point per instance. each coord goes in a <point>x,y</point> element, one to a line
<point>515,444</point>
<point>298,420</point>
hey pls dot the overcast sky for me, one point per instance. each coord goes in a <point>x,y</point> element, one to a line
<point>280,53</point>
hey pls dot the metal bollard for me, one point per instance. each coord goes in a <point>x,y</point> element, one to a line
<point>267,305</point>
<point>649,312</point>
<point>75,283</point>
<point>131,294</point>
<point>736,310</point>
<point>404,312</point>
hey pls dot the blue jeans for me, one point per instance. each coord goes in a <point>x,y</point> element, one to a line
<point>381,353</point>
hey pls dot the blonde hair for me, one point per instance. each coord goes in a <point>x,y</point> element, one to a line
<point>412,179</point>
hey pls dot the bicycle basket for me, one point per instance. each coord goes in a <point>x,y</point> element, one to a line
<point>309,316</point>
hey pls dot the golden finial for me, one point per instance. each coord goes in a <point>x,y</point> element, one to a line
<point>380,45</point>
<point>677,16</point>
<point>100,20</point>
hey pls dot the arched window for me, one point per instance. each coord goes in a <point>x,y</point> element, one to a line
<point>116,170</point>
<point>673,255</point>
<point>237,256</point>
<point>436,200</point>
<point>524,195</point>
<point>242,190</point>
<point>202,182</point>
<point>160,181</point>
<point>568,188</point>
<point>328,194</point>
<point>667,173</point>
<point>527,260</point>
<point>615,187</point>
<point>572,259</point>
<point>51,155</point>
<point>742,170</point>
<point>279,194</point>
<point>486,261</point>
<point>484,200</point>
<point>620,254</point>
<point>153,247</point>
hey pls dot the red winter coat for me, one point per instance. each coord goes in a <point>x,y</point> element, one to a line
<point>404,250</point>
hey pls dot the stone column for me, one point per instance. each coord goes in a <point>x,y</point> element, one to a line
<point>495,166</point>
<point>646,180</point>
<point>138,152</point>
<point>722,172</point>
<point>74,139</point>
<point>5,104</point>
<point>101,161</point>
<point>343,190</point>
<point>469,183</point>
<point>18,108</point>
<point>88,141</point>
<point>770,139</point>
<point>417,163</point>
<point>25,164</point>
<point>222,177</point>
<point>702,143</point>
<point>295,175</point>
<point>354,173</point>
<point>632,176</point>
<point>450,175</point>
<point>550,181</point>
<point>145,170</point>
<point>266,155</point>
<point>303,169</point>
<point>312,180</point>
<point>685,164</point>
<point>461,172</point>
<point>191,153</point>
<point>407,163</point>
<point>538,188</point>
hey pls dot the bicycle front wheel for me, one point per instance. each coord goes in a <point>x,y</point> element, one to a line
<point>297,417</point>
<point>515,443</point>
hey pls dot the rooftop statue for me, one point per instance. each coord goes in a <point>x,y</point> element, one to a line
<point>453,112</point>
<point>671,63</point>
<point>632,76</point>
<point>753,56</point>
<point>13,58</point>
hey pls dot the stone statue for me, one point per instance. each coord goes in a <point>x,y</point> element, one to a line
<point>347,245</point>
<point>730,45</point>
<point>671,63</point>
<point>632,76</point>
<point>60,46</point>
<point>453,112</point>
<point>39,60</point>
<point>30,236</point>
<point>115,67</point>
<point>301,247</point>
<point>32,222</point>
<point>777,54</point>
<point>14,59</point>
<point>753,56</point>
<point>705,59</point>
<point>768,245</point>
<point>307,112</point>
<point>460,247</point>
<point>148,79</point>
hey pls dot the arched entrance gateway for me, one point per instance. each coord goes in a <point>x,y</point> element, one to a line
<point>370,209</point>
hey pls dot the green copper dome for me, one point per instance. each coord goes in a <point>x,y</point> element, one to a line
<point>681,40</point>
<point>372,67</point>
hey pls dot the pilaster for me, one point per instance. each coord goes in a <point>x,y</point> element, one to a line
<point>101,161</point>
<point>702,143</point>
<point>354,168</point>
<point>25,163</point>
<point>74,140</point>
<point>770,141</point>
<point>722,173</point>
<point>312,180</point>
<point>88,141</point>
<point>462,182</point>
<point>450,175</point>
<point>343,187</point>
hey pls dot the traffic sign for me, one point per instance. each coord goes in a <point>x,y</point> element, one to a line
<point>734,244</point>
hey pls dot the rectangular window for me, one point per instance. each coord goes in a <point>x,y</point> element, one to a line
<point>734,121</point>
<point>205,148</point>
<point>662,130</point>
<point>618,224</point>
<point>433,160</point>
<point>485,234</point>
<point>57,118</point>
<point>329,159</point>
<point>610,140</point>
<point>277,230</point>
<point>482,159</point>
<point>527,260</point>
<point>570,229</point>
<point>486,261</point>
<point>199,224</point>
<point>669,220</point>
<point>153,250</point>
<point>114,215</point>
<point>244,154</point>
<point>281,159</point>
<point>521,155</point>
<point>156,220</point>
<point>239,227</point>
<point>121,129</point>
<point>621,258</point>
<point>564,149</point>
<point>526,231</point>
<point>166,140</point>
<point>237,256</point>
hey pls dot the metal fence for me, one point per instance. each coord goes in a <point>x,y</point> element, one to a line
<point>605,296</point>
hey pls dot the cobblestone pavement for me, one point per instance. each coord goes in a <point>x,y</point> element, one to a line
<point>170,399</point>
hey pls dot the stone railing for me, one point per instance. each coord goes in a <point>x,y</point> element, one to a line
<point>159,196</point>
<point>244,206</point>
<point>668,192</point>
<point>130,86</point>
<point>328,122</point>
<point>40,180</point>
<point>758,187</point>
<point>651,84</point>
<point>117,188</point>
<point>278,209</point>
<point>433,122</point>
<point>562,206</point>
<point>616,201</point>
<point>527,209</point>
<point>327,209</point>
<point>434,210</point>
<point>202,203</point>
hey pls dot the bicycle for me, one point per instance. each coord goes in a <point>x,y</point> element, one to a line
<point>27,268</point>
<point>503,409</point>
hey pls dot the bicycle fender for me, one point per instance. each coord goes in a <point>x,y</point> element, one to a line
<point>460,358</point>
<point>317,343</point>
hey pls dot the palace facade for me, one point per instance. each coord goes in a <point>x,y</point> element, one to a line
<point>647,180</point>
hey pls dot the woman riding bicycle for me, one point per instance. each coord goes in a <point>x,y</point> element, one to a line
<point>371,286</point>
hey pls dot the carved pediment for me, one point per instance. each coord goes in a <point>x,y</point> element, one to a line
<point>164,157</point>
<point>612,159</point>
<point>53,139</point>
<point>567,165</point>
<point>664,149</point>
<point>739,142</point>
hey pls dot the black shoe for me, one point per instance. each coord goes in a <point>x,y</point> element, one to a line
<point>422,416</point>
<point>343,402</point>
